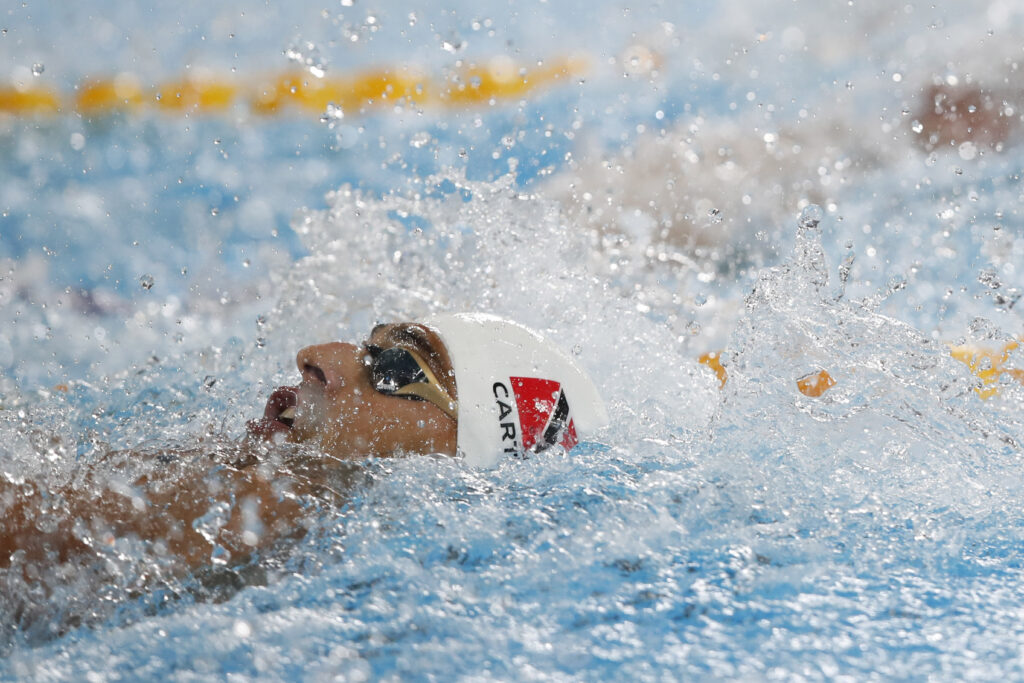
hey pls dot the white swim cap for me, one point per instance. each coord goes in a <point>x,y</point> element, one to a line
<point>517,393</point>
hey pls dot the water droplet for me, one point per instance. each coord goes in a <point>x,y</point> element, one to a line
<point>214,211</point>
<point>453,45</point>
<point>809,255</point>
<point>810,217</point>
<point>146,281</point>
<point>916,126</point>
<point>38,69</point>
<point>895,284</point>
<point>844,270</point>
<point>989,278</point>
<point>332,115</point>
<point>420,139</point>
<point>307,54</point>
<point>209,525</point>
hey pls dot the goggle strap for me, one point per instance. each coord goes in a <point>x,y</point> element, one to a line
<point>431,392</point>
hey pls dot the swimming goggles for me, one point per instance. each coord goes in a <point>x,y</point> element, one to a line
<point>401,372</point>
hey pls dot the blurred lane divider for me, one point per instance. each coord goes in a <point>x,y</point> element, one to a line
<point>815,384</point>
<point>988,365</point>
<point>713,359</point>
<point>497,79</point>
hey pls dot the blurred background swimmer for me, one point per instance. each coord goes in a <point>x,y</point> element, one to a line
<point>471,385</point>
<point>703,187</point>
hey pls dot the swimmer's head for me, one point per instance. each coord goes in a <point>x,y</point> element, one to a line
<point>518,393</point>
<point>474,385</point>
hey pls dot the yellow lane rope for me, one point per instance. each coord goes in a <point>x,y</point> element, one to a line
<point>473,84</point>
<point>988,365</point>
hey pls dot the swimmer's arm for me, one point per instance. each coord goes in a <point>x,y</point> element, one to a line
<point>225,509</point>
<point>239,510</point>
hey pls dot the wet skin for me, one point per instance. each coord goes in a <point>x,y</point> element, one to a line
<point>336,408</point>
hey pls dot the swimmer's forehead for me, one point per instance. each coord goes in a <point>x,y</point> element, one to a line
<point>421,339</point>
<point>405,333</point>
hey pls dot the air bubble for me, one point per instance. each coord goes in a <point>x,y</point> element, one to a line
<point>38,69</point>
<point>146,282</point>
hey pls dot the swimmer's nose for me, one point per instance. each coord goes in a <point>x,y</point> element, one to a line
<point>327,364</point>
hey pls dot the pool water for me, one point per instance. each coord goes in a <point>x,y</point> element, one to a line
<point>754,185</point>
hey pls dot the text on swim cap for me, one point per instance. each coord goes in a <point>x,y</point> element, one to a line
<point>504,410</point>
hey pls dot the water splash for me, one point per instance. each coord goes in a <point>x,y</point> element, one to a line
<point>887,504</point>
<point>898,403</point>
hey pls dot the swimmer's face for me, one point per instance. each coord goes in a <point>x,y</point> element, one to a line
<point>337,408</point>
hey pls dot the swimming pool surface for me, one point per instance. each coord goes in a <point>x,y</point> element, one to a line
<point>160,268</point>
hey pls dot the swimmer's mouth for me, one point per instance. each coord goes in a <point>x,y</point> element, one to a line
<point>278,416</point>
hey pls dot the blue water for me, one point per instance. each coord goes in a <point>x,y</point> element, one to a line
<point>745,532</point>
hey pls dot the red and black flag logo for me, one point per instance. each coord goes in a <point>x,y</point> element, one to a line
<point>544,418</point>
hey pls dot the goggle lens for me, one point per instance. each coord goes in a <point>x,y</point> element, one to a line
<point>395,368</point>
<point>400,372</point>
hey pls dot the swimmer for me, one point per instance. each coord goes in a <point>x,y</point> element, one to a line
<point>699,189</point>
<point>464,385</point>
